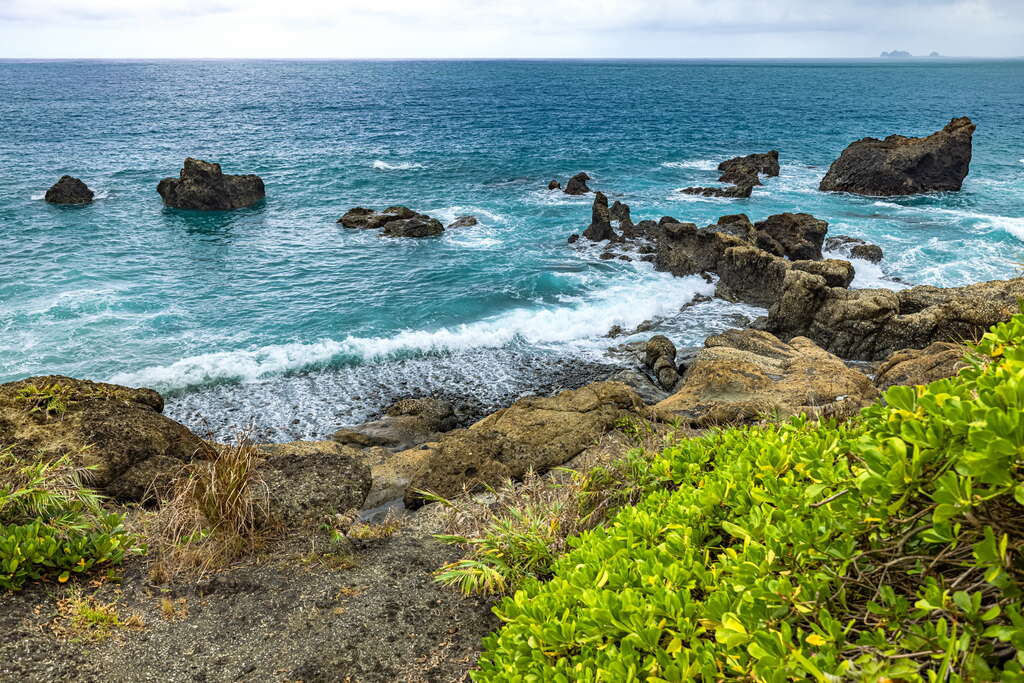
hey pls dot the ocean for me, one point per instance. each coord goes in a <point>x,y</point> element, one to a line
<point>276,319</point>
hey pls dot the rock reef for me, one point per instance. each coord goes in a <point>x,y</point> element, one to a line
<point>202,186</point>
<point>394,221</point>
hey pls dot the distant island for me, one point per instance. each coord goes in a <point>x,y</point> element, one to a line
<point>904,53</point>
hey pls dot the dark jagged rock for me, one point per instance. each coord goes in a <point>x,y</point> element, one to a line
<point>577,184</point>
<point>599,212</point>
<point>854,248</point>
<point>836,273</point>
<point>900,165</point>
<point>396,221</point>
<point>417,226</point>
<point>745,170</point>
<point>735,192</point>
<point>660,357</point>
<point>620,212</point>
<point>69,190</point>
<point>793,235</point>
<point>464,222</point>
<point>203,186</point>
<point>870,324</point>
<point>600,228</point>
<point>554,185</point>
<point>573,238</point>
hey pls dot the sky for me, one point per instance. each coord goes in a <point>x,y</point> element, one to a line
<point>510,28</point>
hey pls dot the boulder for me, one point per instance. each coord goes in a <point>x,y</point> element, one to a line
<point>577,184</point>
<point>745,170</point>
<point>119,430</point>
<point>600,227</point>
<point>418,226</point>
<point>748,375</point>
<point>734,191</point>
<point>836,273</point>
<point>202,186</point>
<point>463,222</point>
<point>573,238</point>
<point>554,185</point>
<point>69,190</point>
<point>854,247</point>
<point>407,423</point>
<point>535,433</point>
<point>871,324</point>
<point>921,366</point>
<point>660,357</point>
<point>900,165</point>
<point>793,235</point>
<point>648,391</point>
<point>368,219</point>
<point>620,212</point>
<point>308,482</point>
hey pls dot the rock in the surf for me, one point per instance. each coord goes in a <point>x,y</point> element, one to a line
<point>745,170</point>
<point>660,357</point>
<point>854,247</point>
<point>554,185</point>
<point>577,184</point>
<point>202,186</point>
<point>600,227</point>
<point>69,190</point>
<point>463,222</point>
<point>396,221</point>
<point>900,165</point>
<point>735,191</point>
<point>418,226</point>
<point>793,235</point>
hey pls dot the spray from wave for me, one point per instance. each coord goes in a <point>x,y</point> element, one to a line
<point>400,166</point>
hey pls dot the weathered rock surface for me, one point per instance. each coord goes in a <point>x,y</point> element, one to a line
<point>660,357</point>
<point>577,184</point>
<point>900,165</point>
<point>836,273</point>
<point>396,221</point>
<point>793,235</point>
<point>746,375</point>
<point>69,190</point>
<point>533,433</point>
<point>202,186</point>
<point>120,430</point>
<point>405,424</point>
<point>308,482</point>
<point>734,191</point>
<point>870,324</point>
<point>745,170</point>
<point>619,212</point>
<point>418,226</point>
<point>854,247</point>
<point>600,227</point>
<point>921,366</point>
<point>463,222</point>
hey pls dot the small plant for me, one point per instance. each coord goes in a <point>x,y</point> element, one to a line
<point>376,531</point>
<point>173,610</point>
<point>87,619</point>
<point>51,400</point>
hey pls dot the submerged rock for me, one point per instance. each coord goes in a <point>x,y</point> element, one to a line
<point>119,430</point>
<point>854,247</point>
<point>69,190</point>
<point>203,186</point>
<point>745,170</point>
<point>577,184</point>
<point>749,375</point>
<point>900,165</point>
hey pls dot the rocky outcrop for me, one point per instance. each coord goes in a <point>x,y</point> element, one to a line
<point>463,222</point>
<point>735,191</point>
<point>577,184</point>
<point>69,190</point>
<point>660,357</point>
<point>533,433</point>
<point>396,221</point>
<point>309,482</point>
<point>921,366</point>
<point>835,272</point>
<point>554,185</point>
<point>854,247</point>
<point>600,227</point>
<point>203,186</point>
<point>793,235</point>
<point>870,324</point>
<point>900,165</point>
<point>749,375</point>
<point>745,170</point>
<point>120,431</point>
<point>619,212</point>
<point>407,423</point>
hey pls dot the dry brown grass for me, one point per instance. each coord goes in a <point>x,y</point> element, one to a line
<point>217,512</point>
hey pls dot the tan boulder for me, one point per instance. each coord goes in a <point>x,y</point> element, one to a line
<point>921,366</point>
<point>745,375</point>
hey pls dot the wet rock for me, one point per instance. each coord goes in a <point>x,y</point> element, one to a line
<point>554,185</point>
<point>900,165</point>
<point>797,236</point>
<point>463,222</point>
<point>921,366</point>
<point>201,185</point>
<point>745,170</point>
<point>660,357</point>
<point>735,191</point>
<point>367,219</point>
<point>69,190</point>
<point>600,227</point>
<point>409,422</point>
<point>619,212</point>
<point>606,256</point>
<point>418,226</point>
<point>854,247</point>
<point>119,430</point>
<point>573,238</point>
<point>533,433</point>
<point>749,375</point>
<point>577,184</point>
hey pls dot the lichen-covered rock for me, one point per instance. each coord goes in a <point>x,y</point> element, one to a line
<point>69,190</point>
<point>405,424</point>
<point>837,273</point>
<point>119,430</point>
<point>660,357</point>
<point>921,366</point>
<point>747,375</point>
<point>577,185</point>
<point>745,170</point>
<point>900,165</point>
<point>202,186</point>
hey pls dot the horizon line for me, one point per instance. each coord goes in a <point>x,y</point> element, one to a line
<point>522,59</point>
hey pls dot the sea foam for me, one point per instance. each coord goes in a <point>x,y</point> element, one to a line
<point>400,166</point>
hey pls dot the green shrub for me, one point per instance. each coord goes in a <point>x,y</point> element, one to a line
<point>886,548</point>
<point>50,525</point>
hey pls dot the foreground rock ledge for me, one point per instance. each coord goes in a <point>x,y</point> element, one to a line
<point>900,165</point>
<point>203,186</point>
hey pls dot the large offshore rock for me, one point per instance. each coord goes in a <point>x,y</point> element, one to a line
<point>577,185</point>
<point>201,185</point>
<point>900,165</point>
<point>69,190</point>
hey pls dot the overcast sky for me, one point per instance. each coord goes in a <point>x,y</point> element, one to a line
<point>509,28</point>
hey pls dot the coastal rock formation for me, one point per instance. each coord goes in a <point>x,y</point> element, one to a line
<point>900,165</point>
<point>600,227</point>
<point>836,273</point>
<point>405,424</point>
<point>69,190</point>
<point>202,186</point>
<point>418,226</point>
<point>660,357</point>
<point>748,375</point>
<point>745,170</point>
<point>119,430</point>
<point>870,324</point>
<point>793,235</point>
<point>463,222</point>
<point>921,366</point>
<point>577,184</point>
<point>533,433</point>
<point>554,185</point>
<point>308,482</point>
<point>854,247</point>
<point>619,212</point>
<point>734,192</point>
<point>396,221</point>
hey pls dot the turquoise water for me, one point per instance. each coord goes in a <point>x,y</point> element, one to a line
<point>277,315</point>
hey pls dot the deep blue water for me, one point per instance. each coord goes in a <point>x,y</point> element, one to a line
<point>277,314</point>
